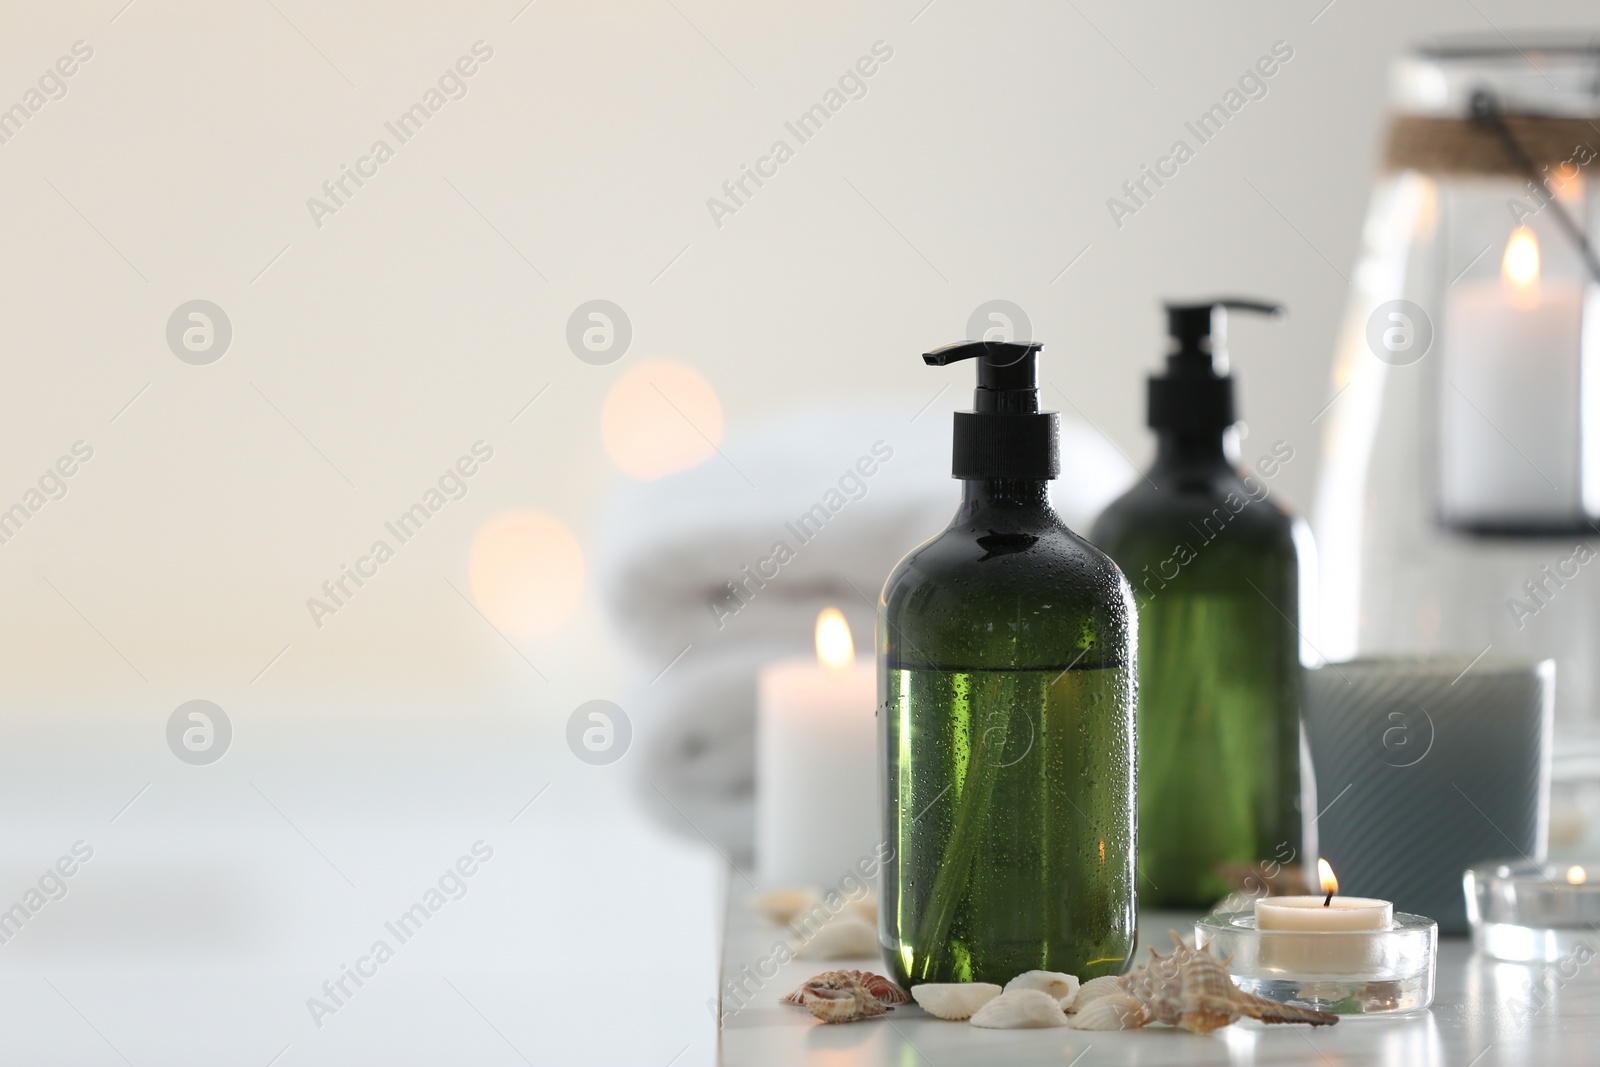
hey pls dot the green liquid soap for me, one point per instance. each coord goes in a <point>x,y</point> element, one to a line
<point>1033,766</point>
<point>1007,686</point>
<point>1215,569</point>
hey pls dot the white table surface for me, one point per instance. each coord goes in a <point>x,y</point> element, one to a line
<point>220,898</point>
<point>1485,1013</point>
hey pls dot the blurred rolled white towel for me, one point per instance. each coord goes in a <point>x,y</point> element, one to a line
<point>699,746</point>
<point>715,571</point>
<point>807,511</point>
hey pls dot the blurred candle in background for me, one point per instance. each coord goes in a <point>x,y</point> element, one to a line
<point>1510,419</point>
<point>816,765</point>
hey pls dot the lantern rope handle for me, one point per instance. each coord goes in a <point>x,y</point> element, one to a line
<point>1486,111</point>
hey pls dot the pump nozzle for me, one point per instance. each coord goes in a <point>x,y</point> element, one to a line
<point>1199,330</point>
<point>1006,435</point>
<point>1004,363</point>
<point>1196,392</point>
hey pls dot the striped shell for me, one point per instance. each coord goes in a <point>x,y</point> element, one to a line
<point>841,1005</point>
<point>845,996</point>
<point>876,984</point>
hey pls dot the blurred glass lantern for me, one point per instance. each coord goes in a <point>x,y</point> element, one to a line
<point>1458,509</point>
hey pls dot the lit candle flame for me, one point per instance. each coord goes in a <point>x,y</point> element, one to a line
<point>1519,267</point>
<point>1577,875</point>
<point>835,649</point>
<point>1330,884</point>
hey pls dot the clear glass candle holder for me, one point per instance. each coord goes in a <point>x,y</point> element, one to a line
<point>1346,972</point>
<point>1533,912</point>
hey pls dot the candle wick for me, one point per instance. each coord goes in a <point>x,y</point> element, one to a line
<point>1328,899</point>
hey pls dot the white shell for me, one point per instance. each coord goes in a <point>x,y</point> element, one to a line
<point>1114,1010</point>
<point>780,906</point>
<point>1020,1009</point>
<point>954,1000</point>
<point>844,938</point>
<point>1064,987</point>
<point>1093,990</point>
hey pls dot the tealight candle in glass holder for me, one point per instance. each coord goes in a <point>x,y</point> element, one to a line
<point>1346,955</point>
<point>1533,912</point>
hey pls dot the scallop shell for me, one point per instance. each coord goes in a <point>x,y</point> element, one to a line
<point>1020,1009</point>
<point>1093,990</point>
<point>954,1001</point>
<point>1064,987</point>
<point>1113,1010</point>
<point>845,937</point>
<point>1189,988</point>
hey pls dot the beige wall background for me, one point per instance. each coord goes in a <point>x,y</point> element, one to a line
<point>372,350</point>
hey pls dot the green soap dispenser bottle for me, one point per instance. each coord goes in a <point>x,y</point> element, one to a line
<point>1215,568</point>
<point>1006,677</point>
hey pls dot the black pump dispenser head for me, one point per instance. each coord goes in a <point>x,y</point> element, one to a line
<point>1196,392</point>
<point>1006,435</point>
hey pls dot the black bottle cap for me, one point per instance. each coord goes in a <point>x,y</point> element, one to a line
<point>1196,392</point>
<point>1006,435</point>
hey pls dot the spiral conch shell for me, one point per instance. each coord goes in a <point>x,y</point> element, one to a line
<point>1189,988</point>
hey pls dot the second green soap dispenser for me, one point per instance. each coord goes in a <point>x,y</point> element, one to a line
<point>1215,568</point>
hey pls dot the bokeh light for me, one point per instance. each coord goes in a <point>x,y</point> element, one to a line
<point>527,572</point>
<point>659,418</point>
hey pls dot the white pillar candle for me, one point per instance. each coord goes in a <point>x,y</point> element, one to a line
<point>1510,422</point>
<point>816,763</point>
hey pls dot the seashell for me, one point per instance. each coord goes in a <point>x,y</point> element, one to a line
<point>954,1001</point>
<point>866,908</point>
<point>846,996</point>
<point>1113,1010</point>
<point>1020,1009</point>
<point>845,937</point>
<point>841,1005</point>
<point>876,984</point>
<point>1094,989</point>
<point>880,987</point>
<point>1192,989</point>
<point>781,906</point>
<point>1064,987</point>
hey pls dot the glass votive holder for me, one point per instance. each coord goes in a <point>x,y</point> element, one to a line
<point>1533,912</point>
<point>1346,972</point>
